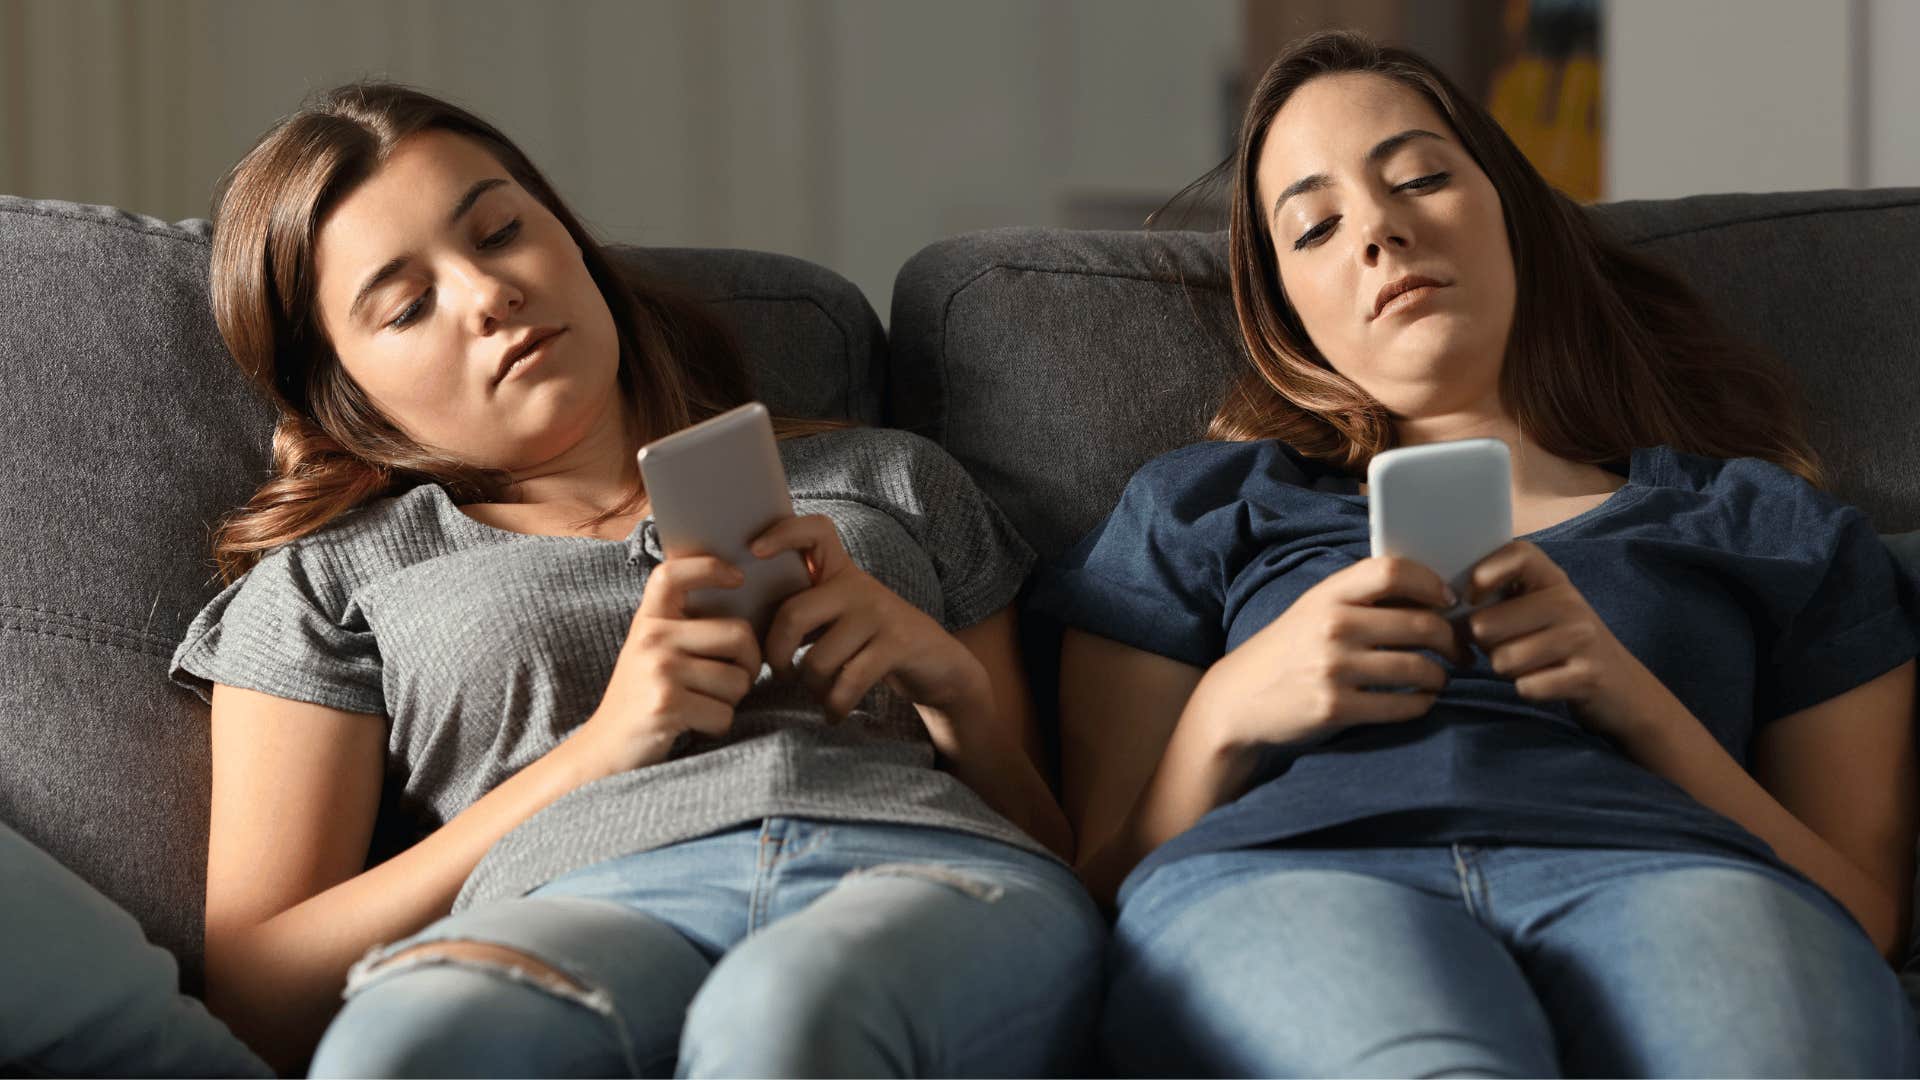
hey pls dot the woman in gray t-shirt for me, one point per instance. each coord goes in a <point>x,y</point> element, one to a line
<point>635,846</point>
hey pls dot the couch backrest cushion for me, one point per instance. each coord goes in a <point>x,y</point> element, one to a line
<point>125,432</point>
<point>1053,363</point>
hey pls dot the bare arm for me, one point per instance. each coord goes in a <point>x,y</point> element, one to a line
<point>1150,745</point>
<point>1136,771</point>
<point>1833,791</point>
<point>969,688</point>
<point>1001,754</point>
<point>289,909</point>
<point>296,787</point>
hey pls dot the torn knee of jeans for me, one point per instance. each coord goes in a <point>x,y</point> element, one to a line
<point>485,957</point>
<point>984,891</point>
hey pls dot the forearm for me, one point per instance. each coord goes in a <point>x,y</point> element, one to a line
<point>1005,775</point>
<point>1198,771</point>
<point>277,983</point>
<point>1671,742</point>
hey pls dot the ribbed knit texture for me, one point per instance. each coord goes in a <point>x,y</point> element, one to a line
<point>483,649</point>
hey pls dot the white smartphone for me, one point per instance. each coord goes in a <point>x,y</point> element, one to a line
<point>1444,505</point>
<point>714,487</point>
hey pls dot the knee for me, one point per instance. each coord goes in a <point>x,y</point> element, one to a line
<point>792,1012</point>
<point>467,1009</point>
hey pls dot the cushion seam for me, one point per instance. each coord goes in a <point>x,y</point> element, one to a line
<point>29,610</point>
<point>162,229</point>
<point>1777,215</point>
<point>147,646</point>
<point>846,338</point>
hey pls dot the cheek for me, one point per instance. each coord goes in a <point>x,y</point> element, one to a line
<point>418,385</point>
<point>1489,230</point>
<point>1318,301</point>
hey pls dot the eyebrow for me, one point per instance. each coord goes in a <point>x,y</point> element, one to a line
<point>395,265</point>
<point>1380,150</point>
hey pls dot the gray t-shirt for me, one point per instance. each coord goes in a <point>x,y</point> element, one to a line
<point>484,648</point>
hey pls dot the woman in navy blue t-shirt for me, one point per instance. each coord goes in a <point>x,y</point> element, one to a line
<point>1650,812</point>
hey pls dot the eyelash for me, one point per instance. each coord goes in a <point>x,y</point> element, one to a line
<point>499,239</point>
<point>1418,185</point>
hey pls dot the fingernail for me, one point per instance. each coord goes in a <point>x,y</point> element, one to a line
<point>1446,591</point>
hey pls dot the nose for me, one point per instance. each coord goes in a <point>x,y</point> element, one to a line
<point>492,297</point>
<point>1381,231</point>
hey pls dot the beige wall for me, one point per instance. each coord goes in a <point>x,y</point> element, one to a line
<point>1892,85</point>
<point>850,132</point>
<point>1760,95</point>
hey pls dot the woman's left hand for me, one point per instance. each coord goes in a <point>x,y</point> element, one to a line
<point>867,634</point>
<point>1548,640</point>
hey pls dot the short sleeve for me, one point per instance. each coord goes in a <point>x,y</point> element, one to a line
<point>939,541</point>
<point>284,629</point>
<point>978,556</point>
<point>1153,574</point>
<point>1849,612</point>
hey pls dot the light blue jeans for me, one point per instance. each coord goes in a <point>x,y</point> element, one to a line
<point>1495,961</point>
<point>790,948</point>
<point>84,993</point>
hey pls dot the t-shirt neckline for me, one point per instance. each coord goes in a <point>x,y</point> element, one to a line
<point>475,525</point>
<point>1643,471</point>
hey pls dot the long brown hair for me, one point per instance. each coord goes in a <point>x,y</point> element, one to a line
<point>1608,350</point>
<point>333,449</point>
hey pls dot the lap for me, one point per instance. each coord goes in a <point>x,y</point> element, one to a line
<point>1642,962</point>
<point>928,929</point>
<point>977,958</point>
<point>1667,963</point>
<point>1301,966</point>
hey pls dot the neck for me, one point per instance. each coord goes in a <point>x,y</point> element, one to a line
<point>590,477</point>
<point>1537,474</point>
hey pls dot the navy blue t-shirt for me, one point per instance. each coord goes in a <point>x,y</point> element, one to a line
<point>1747,591</point>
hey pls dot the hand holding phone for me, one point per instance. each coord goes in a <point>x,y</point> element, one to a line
<point>713,488</point>
<point>1444,505</point>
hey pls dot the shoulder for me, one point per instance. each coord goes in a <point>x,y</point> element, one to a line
<point>872,461</point>
<point>1748,507</point>
<point>1213,473</point>
<point>1743,484</point>
<point>364,544</point>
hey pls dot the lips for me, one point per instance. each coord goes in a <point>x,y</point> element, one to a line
<point>527,343</point>
<point>1402,285</point>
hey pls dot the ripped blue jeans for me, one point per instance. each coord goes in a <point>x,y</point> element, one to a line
<point>789,948</point>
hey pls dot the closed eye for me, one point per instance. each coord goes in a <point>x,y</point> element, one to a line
<point>1427,182</point>
<point>1308,238</point>
<point>411,313</point>
<point>1419,185</point>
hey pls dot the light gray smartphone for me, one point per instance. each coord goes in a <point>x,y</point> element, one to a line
<point>1444,505</point>
<point>714,487</point>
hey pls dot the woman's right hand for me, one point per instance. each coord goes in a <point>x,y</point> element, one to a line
<point>674,673</point>
<point>1324,664</point>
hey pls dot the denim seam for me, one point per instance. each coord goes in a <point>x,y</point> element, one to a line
<point>788,852</point>
<point>766,855</point>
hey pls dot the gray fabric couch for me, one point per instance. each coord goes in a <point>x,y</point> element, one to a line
<point>1052,363</point>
